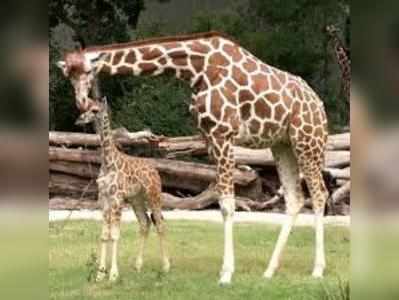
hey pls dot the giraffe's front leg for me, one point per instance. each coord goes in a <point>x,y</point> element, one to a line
<point>227,205</point>
<point>116,213</point>
<point>320,260</point>
<point>223,153</point>
<point>105,237</point>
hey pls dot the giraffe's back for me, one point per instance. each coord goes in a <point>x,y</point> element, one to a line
<point>258,103</point>
<point>140,172</point>
<point>282,104</point>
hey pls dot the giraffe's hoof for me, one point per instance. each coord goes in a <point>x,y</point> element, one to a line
<point>139,265</point>
<point>166,267</point>
<point>268,274</point>
<point>101,275</point>
<point>225,278</point>
<point>113,276</point>
<point>318,272</point>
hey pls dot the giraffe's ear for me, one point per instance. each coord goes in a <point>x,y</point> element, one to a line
<point>62,65</point>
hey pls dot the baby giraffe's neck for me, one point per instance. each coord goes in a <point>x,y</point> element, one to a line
<point>108,148</point>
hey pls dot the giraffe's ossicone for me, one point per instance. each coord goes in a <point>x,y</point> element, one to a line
<point>124,180</point>
<point>236,100</point>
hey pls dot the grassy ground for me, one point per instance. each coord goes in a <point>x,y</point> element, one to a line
<point>196,256</point>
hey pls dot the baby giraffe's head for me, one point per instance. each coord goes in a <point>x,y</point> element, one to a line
<point>94,113</point>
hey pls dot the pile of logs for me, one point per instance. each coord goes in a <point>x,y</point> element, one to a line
<point>74,161</point>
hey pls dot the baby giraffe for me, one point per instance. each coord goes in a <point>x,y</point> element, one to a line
<point>124,179</point>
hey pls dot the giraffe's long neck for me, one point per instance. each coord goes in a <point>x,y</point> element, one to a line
<point>344,63</point>
<point>184,59</point>
<point>108,148</point>
<point>341,54</point>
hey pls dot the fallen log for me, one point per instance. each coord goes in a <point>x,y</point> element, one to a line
<point>244,156</point>
<point>123,137</point>
<point>61,138</point>
<point>179,169</point>
<point>74,155</point>
<point>67,185</point>
<point>175,147</point>
<point>201,201</point>
<point>337,159</point>
<point>68,203</point>
<point>264,157</point>
<point>341,182</point>
<point>339,173</point>
<point>341,193</point>
<point>339,141</point>
<point>83,188</point>
<point>193,177</point>
<point>172,147</point>
<point>84,170</point>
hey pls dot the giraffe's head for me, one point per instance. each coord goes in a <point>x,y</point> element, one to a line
<point>94,113</point>
<point>81,68</point>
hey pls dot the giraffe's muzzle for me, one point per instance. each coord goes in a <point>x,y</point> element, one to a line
<point>85,104</point>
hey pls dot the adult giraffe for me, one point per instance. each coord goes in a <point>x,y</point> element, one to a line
<point>237,99</point>
<point>342,55</point>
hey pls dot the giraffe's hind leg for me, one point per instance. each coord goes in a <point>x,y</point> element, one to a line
<point>319,194</point>
<point>116,214</point>
<point>310,163</point>
<point>289,176</point>
<point>159,223</point>
<point>140,211</point>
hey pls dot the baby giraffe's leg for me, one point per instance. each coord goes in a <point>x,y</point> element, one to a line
<point>116,212</point>
<point>145,224</point>
<point>105,237</point>
<point>159,223</point>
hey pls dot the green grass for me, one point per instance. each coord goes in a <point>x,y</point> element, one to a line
<point>196,257</point>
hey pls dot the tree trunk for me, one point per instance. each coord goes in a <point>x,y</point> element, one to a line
<point>194,145</point>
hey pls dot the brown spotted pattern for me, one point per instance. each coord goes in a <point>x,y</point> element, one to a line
<point>343,59</point>
<point>267,106</point>
<point>237,100</point>
<point>125,179</point>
